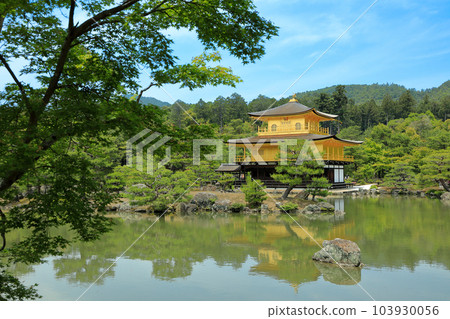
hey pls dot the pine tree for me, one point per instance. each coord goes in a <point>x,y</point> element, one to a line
<point>158,190</point>
<point>400,176</point>
<point>436,169</point>
<point>318,187</point>
<point>388,106</point>
<point>295,174</point>
<point>406,103</point>
<point>254,193</point>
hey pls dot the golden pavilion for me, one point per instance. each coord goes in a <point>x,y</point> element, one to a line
<point>289,121</point>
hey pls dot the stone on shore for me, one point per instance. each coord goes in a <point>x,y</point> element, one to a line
<point>445,198</point>
<point>186,209</point>
<point>204,199</point>
<point>319,208</point>
<point>265,209</point>
<point>223,205</point>
<point>341,251</point>
<point>118,207</point>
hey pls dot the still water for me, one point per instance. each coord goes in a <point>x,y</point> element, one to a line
<point>405,244</point>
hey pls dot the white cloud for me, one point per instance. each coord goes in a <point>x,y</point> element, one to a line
<point>305,30</point>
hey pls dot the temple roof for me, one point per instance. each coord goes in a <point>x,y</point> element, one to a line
<point>290,108</point>
<point>228,168</point>
<point>277,138</point>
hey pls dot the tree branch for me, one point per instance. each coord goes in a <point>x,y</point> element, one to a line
<point>157,8</point>
<point>71,13</point>
<point>74,33</point>
<point>16,80</point>
<point>2,230</point>
<point>1,22</point>
<point>86,25</point>
<point>16,174</point>
<point>98,23</point>
<point>143,90</point>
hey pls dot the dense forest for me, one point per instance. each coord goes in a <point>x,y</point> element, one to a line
<point>357,105</point>
<point>406,134</point>
<point>362,93</point>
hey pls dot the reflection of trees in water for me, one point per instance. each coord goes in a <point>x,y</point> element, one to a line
<point>172,246</point>
<point>167,269</point>
<point>21,269</point>
<point>337,275</point>
<point>400,232</point>
<point>390,233</point>
<point>85,269</point>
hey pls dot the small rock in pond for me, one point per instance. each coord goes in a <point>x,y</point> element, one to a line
<point>319,208</point>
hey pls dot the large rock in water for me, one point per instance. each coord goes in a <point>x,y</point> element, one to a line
<point>341,251</point>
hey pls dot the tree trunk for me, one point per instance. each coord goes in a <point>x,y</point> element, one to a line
<point>445,184</point>
<point>290,231</point>
<point>2,230</point>
<point>287,191</point>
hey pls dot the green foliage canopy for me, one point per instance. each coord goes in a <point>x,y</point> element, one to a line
<point>84,70</point>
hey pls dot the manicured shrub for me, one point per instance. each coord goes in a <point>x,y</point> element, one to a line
<point>289,207</point>
<point>237,207</point>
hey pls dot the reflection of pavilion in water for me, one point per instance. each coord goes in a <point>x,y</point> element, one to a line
<point>338,204</point>
<point>278,259</point>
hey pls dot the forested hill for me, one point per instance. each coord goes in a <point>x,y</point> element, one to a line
<point>362,93</point>
<point>153,101</point>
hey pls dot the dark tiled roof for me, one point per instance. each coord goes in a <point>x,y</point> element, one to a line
<point>277,138</point>
<point>290,108</point>
<point>228,168</point>
<point>340,139</point>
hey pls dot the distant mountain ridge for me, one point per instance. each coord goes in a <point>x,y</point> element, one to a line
<point>153,101</point>
<point>362,93</point>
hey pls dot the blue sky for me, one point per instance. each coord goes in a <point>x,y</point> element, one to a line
<point>406,42</point>
<point>397,41</point>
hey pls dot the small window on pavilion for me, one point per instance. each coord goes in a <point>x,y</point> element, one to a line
<point>306,125</point>
<point>274,127</point>
<point>298,126</point>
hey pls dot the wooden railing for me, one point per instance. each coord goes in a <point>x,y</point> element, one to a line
<point>326,157</point>
<point>338,157</point>
<point>292,130</point>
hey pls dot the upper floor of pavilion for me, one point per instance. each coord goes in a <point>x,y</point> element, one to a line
<point>292,118</point>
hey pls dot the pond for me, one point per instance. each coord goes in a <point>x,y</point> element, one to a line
<point>405,244</point>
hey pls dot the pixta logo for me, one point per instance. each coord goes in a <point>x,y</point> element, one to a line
<point>150,150</point>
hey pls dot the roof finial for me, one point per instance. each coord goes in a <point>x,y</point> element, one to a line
<point>294,99</point>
